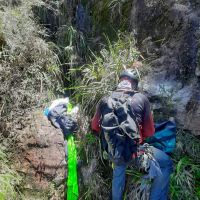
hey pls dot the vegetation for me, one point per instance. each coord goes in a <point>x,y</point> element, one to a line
<point>9,179</point>
<point>29,75</point>
<point>184,181</point>
<point>101,75</point>
<point>94,174</point>
<point>98,79</point>
<point>28,66</point>
<point>31,65</point>
<point>109,16</point>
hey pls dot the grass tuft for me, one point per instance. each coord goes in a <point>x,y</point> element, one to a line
<point>101,76</point>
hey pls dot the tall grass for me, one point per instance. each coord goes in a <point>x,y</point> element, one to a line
<point>111,15</point>
<point>100,77</point>
<point>185,180</point>
<point>72,46</point>
<point>94,175</point>
<point>9,179</point>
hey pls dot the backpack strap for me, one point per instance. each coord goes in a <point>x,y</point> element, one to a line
<point>131,94</point>
<point>128,95</point>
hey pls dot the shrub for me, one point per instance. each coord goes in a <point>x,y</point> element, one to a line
<point>28,68</point>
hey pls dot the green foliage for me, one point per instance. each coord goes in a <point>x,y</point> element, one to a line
<point>94,175</point>
<point>101,76</point>
<point>185,182</point>
<point>88,148</point>
<point>188,144</point>
<point>109,16</point>
<point>90,139</point>
<point>72,44</point>
<point>9,179</point>
<point>28,66</point>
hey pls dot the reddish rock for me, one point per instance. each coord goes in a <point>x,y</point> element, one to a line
<point>41,153</point>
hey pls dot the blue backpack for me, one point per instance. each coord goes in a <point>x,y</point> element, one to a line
<point>164,137</point>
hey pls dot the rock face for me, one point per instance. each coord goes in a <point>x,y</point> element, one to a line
<point>41,156</point>
<point>168,32</point>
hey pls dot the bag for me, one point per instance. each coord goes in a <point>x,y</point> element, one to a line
<point>120,130</point>
<point>164,137</point>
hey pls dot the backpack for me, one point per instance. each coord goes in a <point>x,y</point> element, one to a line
<point>120,130</point>
<point>164,137</point>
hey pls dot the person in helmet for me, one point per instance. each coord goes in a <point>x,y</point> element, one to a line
<point>128,81</point>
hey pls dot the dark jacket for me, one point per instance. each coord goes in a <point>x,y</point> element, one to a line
<point>141,107</point>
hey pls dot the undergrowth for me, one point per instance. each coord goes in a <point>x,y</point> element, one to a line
<point>27,65</point>
<point>9,179</point>
<point>185,180</point>
<point>98,79</point>
<point>29,76</point>
<point>101,76</point>
<point>111,15</point>
<point>94,174</point>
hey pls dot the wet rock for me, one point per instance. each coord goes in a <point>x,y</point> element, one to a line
<point>158,84</point>
<point>184,101</point>
<point>173,27</point>
<point>168,33</point>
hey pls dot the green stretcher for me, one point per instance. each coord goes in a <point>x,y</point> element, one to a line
<point>72,179</point>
